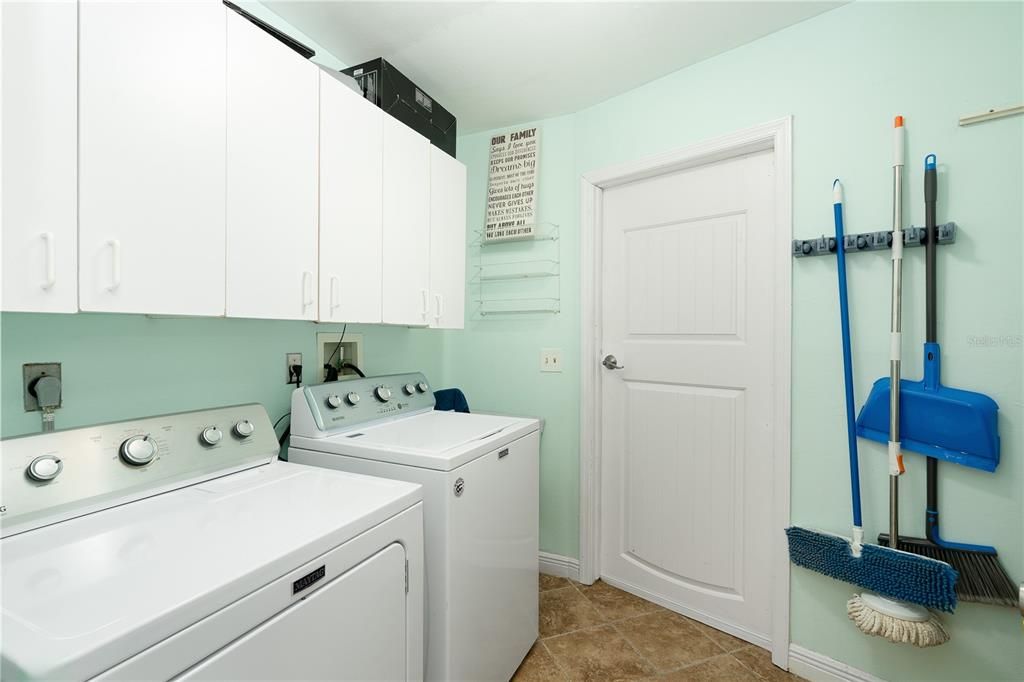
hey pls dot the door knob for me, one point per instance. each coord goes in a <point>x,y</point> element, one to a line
<point>611,363</point>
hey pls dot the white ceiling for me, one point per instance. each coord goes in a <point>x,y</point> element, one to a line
<point>494,64</point>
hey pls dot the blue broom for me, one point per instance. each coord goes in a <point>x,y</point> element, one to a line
<point>891,573</point>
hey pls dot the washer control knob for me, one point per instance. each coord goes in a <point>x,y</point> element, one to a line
<point>211,435</point>
<point>244,428</point>
<point>422,387</point>
<point>334,401</point>
<point>409,389</point>
<point>44,468</point>
<point>383,393</point>
<point>138,450</point>
<point>352,398</point>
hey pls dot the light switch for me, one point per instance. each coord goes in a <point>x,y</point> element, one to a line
<point>551,359</point>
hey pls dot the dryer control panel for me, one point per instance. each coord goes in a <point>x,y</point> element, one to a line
<point>321,409</point>
<point>51,477</point>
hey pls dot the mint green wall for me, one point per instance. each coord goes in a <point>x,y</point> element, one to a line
<point>123,366</point>
<point>842,76</point>
<point>496,361</point>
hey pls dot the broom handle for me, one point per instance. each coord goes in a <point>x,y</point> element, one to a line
<point>896,332</point>
<point>844,323</point>
<point>931,329</point>
<point>932,236</point>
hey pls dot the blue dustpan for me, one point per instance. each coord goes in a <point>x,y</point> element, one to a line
<point>936,421</point>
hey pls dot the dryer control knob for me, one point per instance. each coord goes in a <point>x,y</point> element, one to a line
<point>383,393</point>
<point>352,398</point>
<point>409,389</point>
<point>334,401</point>
<point>138,450</point>
<point>211,435</point>
<point>244,428</point>
<point>422,387</point>
<point>44,468</point>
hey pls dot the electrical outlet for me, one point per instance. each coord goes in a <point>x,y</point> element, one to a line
<point>31,371</point>
<point>551,359</point>
<point>290,360</point>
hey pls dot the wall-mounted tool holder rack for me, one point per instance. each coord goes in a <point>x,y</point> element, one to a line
<point>870,241</point>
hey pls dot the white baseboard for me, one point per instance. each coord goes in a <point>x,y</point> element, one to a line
<point>820,668</point>
<point>561,566</point>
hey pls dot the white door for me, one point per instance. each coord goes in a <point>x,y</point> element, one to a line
<point>353,628</point>
<point>271,176</point>
<point>406,256</point>
<point>687,291</point>
<point>151,157</point>
<point>40,162</point>
<point>350,204</point>
<point>447,241</point>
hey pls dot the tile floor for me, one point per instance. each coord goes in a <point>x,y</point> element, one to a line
<point>598,632</point>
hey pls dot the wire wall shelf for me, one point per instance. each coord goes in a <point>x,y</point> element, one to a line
<point>541,232</point>
<point>519,306</point>
<point>518,277</point>
<point>495,272</point>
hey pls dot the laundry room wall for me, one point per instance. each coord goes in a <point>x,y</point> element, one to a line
<point>841,76</point>
<point>116,367</point>
<point>496,360</point>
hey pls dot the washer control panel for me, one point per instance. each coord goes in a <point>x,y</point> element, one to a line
<point>49,477</point>
<point>344,404</point>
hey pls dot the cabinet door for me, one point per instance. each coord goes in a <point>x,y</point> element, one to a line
<point>151,157</point>
<point>350,205</point>
<point>271,177</point>
<point>39,166</point>
<point>447,241</point>
<point>406,282</point>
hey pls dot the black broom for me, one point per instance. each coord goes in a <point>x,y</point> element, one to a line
<point>982,578</point>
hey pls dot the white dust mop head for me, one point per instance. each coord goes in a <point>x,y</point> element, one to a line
<point>897,622</point>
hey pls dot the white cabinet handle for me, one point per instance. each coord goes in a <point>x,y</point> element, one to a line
<point>115,264</point>
<point>51,260</point>
<point>307,289</point>
<point>426,306</point>
<point>438,307</point>
<point>333,301</point>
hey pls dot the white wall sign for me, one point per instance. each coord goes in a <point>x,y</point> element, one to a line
<point>512,185</point>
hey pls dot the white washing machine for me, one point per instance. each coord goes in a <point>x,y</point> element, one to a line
<point>177,546</point>
<point>480,494</point>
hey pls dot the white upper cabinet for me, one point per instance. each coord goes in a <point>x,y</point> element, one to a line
<point>271,177</point>
<point>406,282</point>
<point>350,204</point>
<point>39,166</point>
<point>447,241</point>
<point>151,164</point>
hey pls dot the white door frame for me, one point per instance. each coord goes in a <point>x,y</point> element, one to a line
<point>777,137</point>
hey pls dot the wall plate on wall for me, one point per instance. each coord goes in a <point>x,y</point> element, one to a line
<point>551,359</point>
<point>351,351</point>
<point>31,371</point>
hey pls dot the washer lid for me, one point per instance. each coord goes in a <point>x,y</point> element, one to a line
<point>80,596</point>
<point>430,440</point>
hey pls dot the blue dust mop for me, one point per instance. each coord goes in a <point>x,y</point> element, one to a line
<point>892,573</point>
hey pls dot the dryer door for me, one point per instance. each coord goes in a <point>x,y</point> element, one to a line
<point>351,629</point>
